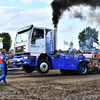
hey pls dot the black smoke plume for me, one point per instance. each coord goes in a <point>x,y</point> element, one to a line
<point>59,6</point>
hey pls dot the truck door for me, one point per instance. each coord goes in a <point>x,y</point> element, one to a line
<point>49,41</point>
<point>37,41</point>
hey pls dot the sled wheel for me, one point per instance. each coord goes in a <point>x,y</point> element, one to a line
<point>43,66</point>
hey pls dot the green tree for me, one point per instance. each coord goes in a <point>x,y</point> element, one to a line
<point>7,42</point>
<point>90,35</point>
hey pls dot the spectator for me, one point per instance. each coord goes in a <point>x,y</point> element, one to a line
<point>85,52</point>
<point>3,65</point>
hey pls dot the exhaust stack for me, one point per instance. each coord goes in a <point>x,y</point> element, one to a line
<point>55,40</point>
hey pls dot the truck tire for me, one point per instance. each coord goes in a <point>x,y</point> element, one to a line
<point>83,68</point>
<point>66,72</point>
<point>28,69</point>
<point>43,66</point>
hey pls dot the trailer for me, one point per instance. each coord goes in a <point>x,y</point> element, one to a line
<point>35,49</point>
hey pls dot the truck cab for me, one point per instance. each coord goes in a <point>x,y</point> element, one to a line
<point>34,41</point>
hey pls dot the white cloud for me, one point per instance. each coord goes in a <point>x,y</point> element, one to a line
<point>48,1</point>
<point>1,2</point>
<point>94,18</point>
<point>11,17</point>
<point>29,1</point>
<point>12,0</point>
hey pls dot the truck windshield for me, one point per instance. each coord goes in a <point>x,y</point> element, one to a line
<point>22,36</point>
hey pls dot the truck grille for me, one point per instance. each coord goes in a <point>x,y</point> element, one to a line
<point>19,49</point>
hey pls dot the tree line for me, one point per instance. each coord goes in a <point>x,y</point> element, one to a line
<point>87,37</point>
<point>7,41</point>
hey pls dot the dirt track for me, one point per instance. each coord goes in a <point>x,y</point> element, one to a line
<point>52,86</point>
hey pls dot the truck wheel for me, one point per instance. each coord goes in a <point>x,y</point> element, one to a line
<point>83,69</point>
<point>66,72</point>
<point>43,66</point>
<point>28,69</point>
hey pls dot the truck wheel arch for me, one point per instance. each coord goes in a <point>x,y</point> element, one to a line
<point>83,62</point>
<point>46,57</point>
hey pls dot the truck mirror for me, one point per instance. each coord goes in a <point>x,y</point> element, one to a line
<point>35,33</point>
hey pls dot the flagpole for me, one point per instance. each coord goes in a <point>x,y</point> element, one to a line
<point>64,46</point>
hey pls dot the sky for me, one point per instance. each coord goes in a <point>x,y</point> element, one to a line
<point>15,14</point>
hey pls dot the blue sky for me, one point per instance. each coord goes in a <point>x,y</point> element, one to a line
<point>25,4</point>
<point>15,14</point>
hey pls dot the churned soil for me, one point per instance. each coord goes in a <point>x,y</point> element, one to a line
<point>52,86</point>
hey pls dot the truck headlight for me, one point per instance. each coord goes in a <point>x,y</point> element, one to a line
<point>26,57</point>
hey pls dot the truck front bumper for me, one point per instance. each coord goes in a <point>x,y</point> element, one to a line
<point>24,60</point>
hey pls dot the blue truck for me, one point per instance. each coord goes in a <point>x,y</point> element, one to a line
<point>35,49</point>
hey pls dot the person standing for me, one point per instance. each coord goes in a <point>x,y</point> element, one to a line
<point>3,65</point>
